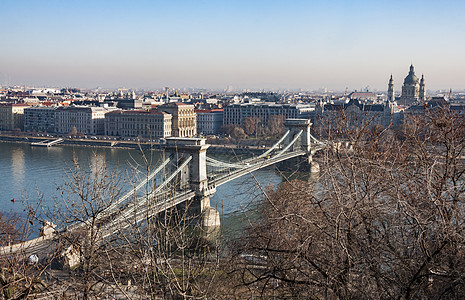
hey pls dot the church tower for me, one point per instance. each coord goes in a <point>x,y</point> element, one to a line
<point>391,95</point>
<point>422,95</point>
<point>410,89</point>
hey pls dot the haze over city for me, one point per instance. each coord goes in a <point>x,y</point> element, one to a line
<point>247,44</point>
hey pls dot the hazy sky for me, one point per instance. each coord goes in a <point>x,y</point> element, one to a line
<point>213,44</point>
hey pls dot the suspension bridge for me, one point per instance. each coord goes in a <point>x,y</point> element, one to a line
<point>186,173</point>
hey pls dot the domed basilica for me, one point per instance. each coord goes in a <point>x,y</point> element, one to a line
<point>413,90</point>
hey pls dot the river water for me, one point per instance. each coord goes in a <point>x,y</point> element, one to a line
<point>33,173</point>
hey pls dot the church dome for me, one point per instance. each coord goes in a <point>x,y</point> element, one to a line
<point>411,78</point>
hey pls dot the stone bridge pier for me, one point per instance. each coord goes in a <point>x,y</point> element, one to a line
<point>194,177</point>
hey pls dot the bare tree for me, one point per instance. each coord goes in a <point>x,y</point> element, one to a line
<point>89,191</point>
<point>74,131</point>
<point>249,125</point>
<point>384,220</point>
<point>21,270</point>
<point>228,128</point>
<point>10,232</point>
<point>275,126</point>
<point>162,254</point>
<point>258,126</point>
<point>238,134</point>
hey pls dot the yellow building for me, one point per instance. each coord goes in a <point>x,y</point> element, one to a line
<point>184,122</point>
<point>12,116</point>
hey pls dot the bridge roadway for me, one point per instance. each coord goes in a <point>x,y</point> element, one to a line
<point>219,180</point>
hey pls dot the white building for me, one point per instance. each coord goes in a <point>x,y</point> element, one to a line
<point>83,119</point>
<point>138,123</point>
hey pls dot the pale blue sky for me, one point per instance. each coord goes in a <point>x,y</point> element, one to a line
<point>249,44</point>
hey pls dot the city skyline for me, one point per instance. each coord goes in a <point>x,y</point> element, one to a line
<point>214,44</point>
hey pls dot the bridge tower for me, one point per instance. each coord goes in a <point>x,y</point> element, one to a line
<point>195,175</point>
<point>304,142</point>
<point>295,126</point>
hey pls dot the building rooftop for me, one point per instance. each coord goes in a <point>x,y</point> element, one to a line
<point>208,110</point>
<point>139,112</point>
<point>363,107</point>
<point>6,104</point>
<point>176,104</point>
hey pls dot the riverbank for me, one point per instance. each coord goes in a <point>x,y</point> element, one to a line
<point>79,142</point>
<point>225,149</point>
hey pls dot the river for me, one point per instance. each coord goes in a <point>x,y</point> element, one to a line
<point>33,173</point>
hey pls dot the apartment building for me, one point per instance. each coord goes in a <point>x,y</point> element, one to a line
<point>39,118</point>
<point>83,119</point>
<point>236,113</point>
<point>209,121</point>
<point>138,123</point>
<point>12,116</point>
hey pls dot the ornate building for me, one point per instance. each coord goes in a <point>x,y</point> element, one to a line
<point>412,90</point>
<point>184,122</point>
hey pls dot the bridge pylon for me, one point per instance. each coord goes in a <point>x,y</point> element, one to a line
<point>304,142</point>
<point>295,126</point>
<point>196,175</point>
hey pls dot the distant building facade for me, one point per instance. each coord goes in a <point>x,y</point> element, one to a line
<point>209,121</point>
<point>184,122</point>
<point>129,103</point>
<point>438,102</point>
<point>236,113</point>
<point>39,118</point>
<point>146,124</point>
<point>12,116</point>
<point>363,96</point>
<point>358,112</point>
<point>87,120</point>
